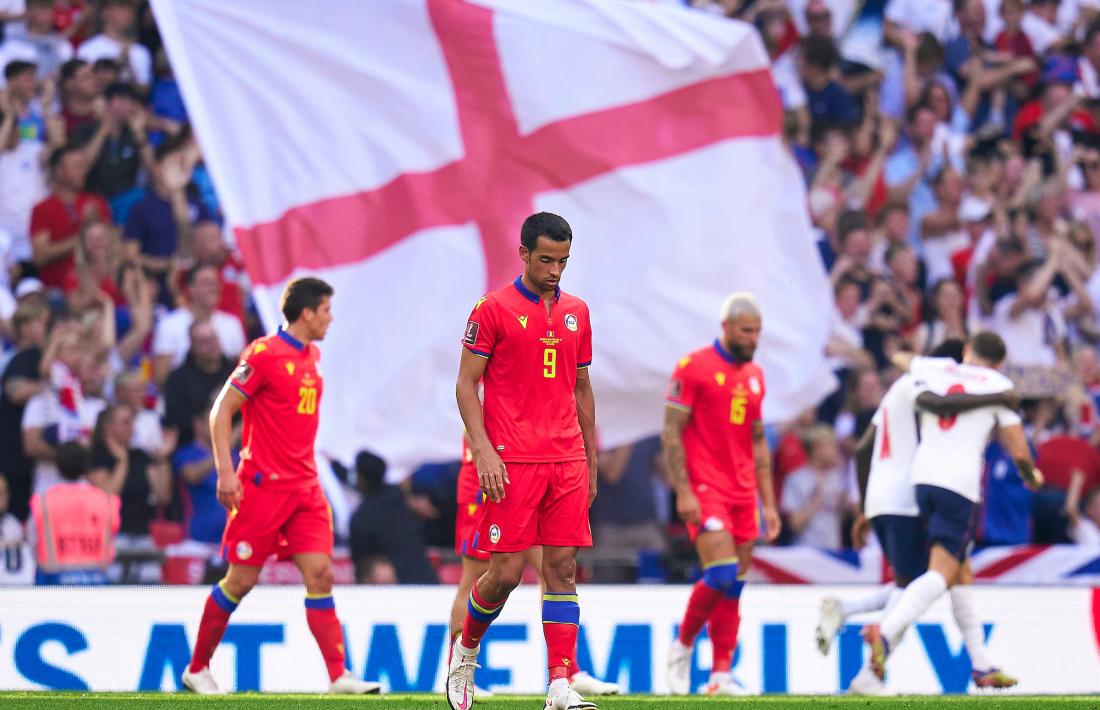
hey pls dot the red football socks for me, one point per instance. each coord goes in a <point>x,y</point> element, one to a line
<point>325,626</point>
<point>724,623</point>
<point>700,604</point>
<point>215,617</point>
<point>480,614</point>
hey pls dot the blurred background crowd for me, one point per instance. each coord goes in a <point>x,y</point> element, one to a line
<point>951,151</point>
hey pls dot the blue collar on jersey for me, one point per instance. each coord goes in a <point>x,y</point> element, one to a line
<point>294,342</point>
<point>531,295</point>
<point>723,353</point>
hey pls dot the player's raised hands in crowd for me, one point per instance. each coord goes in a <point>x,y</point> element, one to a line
<point>492,475</point>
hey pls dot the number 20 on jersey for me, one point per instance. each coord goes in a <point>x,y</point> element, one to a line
<point>307,400</point>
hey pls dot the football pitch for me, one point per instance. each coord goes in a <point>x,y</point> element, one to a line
<point>255,701</point>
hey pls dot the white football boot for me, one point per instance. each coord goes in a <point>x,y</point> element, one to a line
<point>201,683</point>
<point>679,669</point>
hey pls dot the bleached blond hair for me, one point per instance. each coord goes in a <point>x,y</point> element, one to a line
<point>737,304</point>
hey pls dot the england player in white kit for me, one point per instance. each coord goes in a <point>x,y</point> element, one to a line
<point>946,474</point>
<point>884,459</point>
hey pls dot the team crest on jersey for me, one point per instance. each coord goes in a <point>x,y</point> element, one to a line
<point>290,368</point>
<point>243,373</point>
<point>471,332</point>
<point>571,322</point>
<point>244,550</point>
<point>522,321</point>
<point>754,385</point>
<point>720,378</point>
<point>494,534</point>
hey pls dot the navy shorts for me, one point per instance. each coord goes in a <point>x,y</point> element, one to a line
<point>951,520</point>
<point>904,543</point>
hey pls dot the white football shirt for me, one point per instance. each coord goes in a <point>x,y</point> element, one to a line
<point>890,485</point>
<point>950,452</point>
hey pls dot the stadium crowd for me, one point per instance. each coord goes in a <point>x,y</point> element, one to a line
<point>952,165</point>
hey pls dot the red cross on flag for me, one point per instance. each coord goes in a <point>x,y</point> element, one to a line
<point>394,147</point>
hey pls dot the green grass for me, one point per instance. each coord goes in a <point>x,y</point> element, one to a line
<point>254,701</point>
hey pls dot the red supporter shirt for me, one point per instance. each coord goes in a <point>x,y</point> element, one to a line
<point>724,400</point>
<point>1060,456</point>
<point>282,380</point>
<point>530,410</point>
<point>62,221</point>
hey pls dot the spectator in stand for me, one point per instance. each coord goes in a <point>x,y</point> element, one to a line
<point>1084,202</point>
<point>204,516</point>
<point>941,231</point>
<point>98,263</point>
<point>156,222</point>
<point>20,381</point>
<point>170,340</point>
<point>189,388</point>
<point>383,526</point>
<point>117,42</point>
<point>854,248</point>
<point>74,525</point>
<point>892,227</point>
<point>1055,106</point>
<point>81,96</point>
<point>208,248</point>
<point>626,519</point>
<point>11,528</point>
<point>22,181</point>
<point>816,496</point>
<point>116,148</point>
<point>131,391</point>
<point>1085,520</point>
<point>56,221</point>
<point>907,170</point>
<point>107,71</point>
<point>1006,501</point>
<point>37,40</point>
<point>22,89</point>
<point>864,395</point>
<point>1088,65</point>
<point>818,63</point>
<point>944,318</point>
<point>143,484</point>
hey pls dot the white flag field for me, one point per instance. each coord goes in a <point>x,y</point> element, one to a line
<point>394,147</point>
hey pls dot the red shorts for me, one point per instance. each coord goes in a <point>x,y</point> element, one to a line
<point>282,521</point>
<point>741,520</point>
<point>470,500</point>
<point>545,504</point>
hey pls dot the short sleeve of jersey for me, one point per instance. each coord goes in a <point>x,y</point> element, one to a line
<point>682,388</point>
<point>481,329</point>
<point>251,373</point>
<point>1006,417</point>
<point>584,353</point>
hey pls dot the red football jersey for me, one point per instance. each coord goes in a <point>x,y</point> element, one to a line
<point>530,410</point>
<point>282,379</point>
<point>724,400</point>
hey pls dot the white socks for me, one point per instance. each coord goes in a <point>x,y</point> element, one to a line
<point>962,605</point>
<point>560,684</point>
<point>869,602</point>
<point>720,678</point>
<point>915,600</point>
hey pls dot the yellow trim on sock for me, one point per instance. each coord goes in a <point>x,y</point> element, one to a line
<point>228,596</point>
<point>318,596</point>
<point>723,561</point>
<point>563,623</point>
<point>560,597</point>
<point>482,609</point>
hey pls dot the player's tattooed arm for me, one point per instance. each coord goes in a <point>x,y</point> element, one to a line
<point>672,442</point>
<point>763,458</point>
